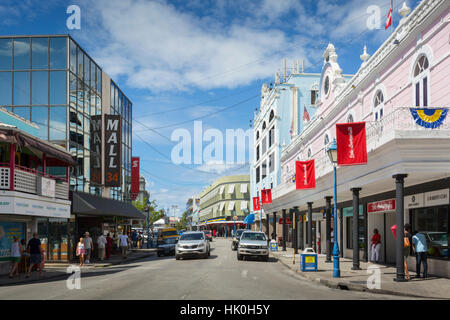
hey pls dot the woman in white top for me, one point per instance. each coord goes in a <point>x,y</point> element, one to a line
<point>16,253</point>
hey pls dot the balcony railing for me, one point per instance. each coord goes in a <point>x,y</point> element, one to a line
<point>399,124</point>
<point>26,180</point>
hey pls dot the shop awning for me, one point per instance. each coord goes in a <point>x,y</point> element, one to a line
<point>88,204</point>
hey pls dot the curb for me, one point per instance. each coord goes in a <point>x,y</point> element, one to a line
<point>352,287</point>
<point>62,275</point>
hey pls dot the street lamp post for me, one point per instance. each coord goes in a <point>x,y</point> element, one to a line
<point>332,154</point>
<point>260,215</point>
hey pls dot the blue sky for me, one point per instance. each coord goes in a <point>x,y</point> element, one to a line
<point>183,60</point>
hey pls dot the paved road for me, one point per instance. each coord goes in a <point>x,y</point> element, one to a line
<point>221,276</point>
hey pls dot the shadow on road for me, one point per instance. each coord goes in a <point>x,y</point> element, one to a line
<point>199,258</point>
<point>258,259</point>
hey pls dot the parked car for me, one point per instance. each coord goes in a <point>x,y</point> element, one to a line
<point>192,243</point>
<point>437,243</point>
<point>208,234</point>
<point>167,247</point>
<point>253,243</point>
<point>236,237</point>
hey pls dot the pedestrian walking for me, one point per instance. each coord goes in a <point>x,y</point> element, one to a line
<point>376,245</point>
<point>80,251</point>
<point>109,245</point>
<point>16,253</point>
<point>101,242</point>
<point>421,250</point>
<point>134,238</point>
<point>407,248</point>
<point>88,246</point>
<point>34,248</point>
<point>124,241</point>
<point>42,264</point>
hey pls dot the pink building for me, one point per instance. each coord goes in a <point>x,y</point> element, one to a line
<point>410,70</point>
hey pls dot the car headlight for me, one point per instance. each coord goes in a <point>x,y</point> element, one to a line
<point>201,245</point>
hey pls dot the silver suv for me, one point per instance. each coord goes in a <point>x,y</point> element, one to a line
<point>253,243</point>
<point>192,243</point>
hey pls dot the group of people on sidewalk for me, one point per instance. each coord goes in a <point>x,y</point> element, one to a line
<point>28,256</point>
<point>105,244</point>
<point>414,240</point>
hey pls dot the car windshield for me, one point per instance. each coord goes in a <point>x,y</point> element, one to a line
<point>192,236</point>
<point>170,241</point>
<point>239,233</point>
<point>438,236</point>
<point>253,236</point>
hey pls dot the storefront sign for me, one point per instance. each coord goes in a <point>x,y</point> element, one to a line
<point>317,216</point>
<point>33,207</point>
<point>414,201</point>
<point>96,149</point>
<point>46,187</point>
<point>348,212</point>
<point>288,221</point>
<point>113,150</point>
<point>134,177</point>
<point>381,206</point>
<point>438,197</point>
<point>7,231</point>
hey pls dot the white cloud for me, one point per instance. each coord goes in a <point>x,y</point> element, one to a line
<point>220,167</point>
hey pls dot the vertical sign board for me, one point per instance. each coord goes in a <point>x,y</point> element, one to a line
<point>113,150</point>
<point>96,149</point>
<point>134,177</point>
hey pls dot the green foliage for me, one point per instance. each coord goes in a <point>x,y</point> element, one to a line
<point>150,210</point>
<point>182,224</point>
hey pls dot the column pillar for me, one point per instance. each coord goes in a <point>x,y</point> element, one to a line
<point>310,223</point>
<point>12,165</point>
<point>356,228</point>
<point>341,232</point>
<point>274,226</point>
<point>399,219</point>
<point>267,226</point>
<point>328,227</point>
<point>295,231</point>
<point>284,230</point>
<point>366,240</point>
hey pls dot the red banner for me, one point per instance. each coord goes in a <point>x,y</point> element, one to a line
<point>266,196</point>
<point>256,206</point>
<point>351,143</point>
<point>134,177</point>
<point>381,206</point>
<point>305,177</point>
<point>288,221</point>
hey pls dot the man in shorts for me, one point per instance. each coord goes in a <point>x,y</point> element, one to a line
<point>34,245</point>
<point>88,246</point>
<point>124,241</point>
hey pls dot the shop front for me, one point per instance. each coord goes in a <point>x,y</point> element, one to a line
<point>428,213</point>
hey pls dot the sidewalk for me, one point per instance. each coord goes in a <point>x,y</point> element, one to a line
<point>56,270</point>
<point>432,287</point>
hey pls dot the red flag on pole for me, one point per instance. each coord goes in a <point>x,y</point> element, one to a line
<point>266,196</point>
<point>134,177</point>
<point>256,206</point>
<point>389,18</point>
<point>305,175</point>
<point>351,143</point>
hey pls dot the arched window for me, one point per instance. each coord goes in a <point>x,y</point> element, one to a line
<point>257,135</point>
<point>264,125</point>
<point>350,118</point>
<point>309,153</point>
<point>421,81</point>
<point>378,105</point>
<point>272,115</point>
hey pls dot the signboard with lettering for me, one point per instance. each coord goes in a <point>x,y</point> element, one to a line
<point>436,198</point>
<point>414,201</point>
<point>96,149</point>
<point>381,206</point>
<point>134,177</point>
<point>113,150</point>
<point>33,207</point>
<point>46,187</point>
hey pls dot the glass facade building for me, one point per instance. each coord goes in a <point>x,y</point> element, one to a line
<point>51,81</point>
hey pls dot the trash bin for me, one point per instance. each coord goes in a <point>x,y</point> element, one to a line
<point>308,260</point>
<point>273,245</point>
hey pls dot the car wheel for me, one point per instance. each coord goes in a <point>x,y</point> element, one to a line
<point>239,256</point>
<point>177,257</point>
<point>266,258</point>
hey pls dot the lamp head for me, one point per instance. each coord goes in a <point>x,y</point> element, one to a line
<point>332,151</point>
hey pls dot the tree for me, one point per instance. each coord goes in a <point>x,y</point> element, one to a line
<point>150,209</point>
<point>182,224</point>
